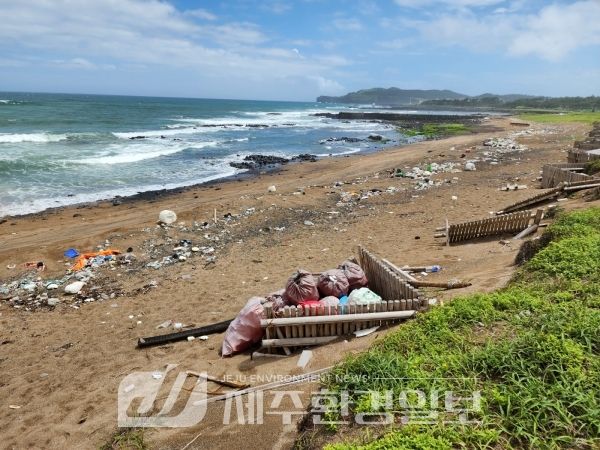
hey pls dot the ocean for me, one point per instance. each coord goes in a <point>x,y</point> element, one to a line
<point>60,149</point>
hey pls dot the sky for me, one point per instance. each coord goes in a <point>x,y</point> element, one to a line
<point>297,50</point>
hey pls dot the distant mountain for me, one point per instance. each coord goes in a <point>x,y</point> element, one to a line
<point>392,96</point>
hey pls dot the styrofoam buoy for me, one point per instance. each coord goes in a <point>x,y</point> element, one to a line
<point>167,217</point>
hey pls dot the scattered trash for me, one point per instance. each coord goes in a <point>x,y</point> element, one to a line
<point>272,189</point>
<point>74,288</point>
<point>14,406</point>
<point>94,259</point>
<point>39,265</point>
<point>365,332</point>
<point>305,358</point>
<point>11,266</point>
<point>157,375</point>
<point>165,324</point>
<point>71,253</point>
<point>191,338</point>
<point>203,338</point>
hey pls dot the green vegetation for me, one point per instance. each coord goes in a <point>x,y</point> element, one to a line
<point>532,349</point>
<point>584,117</point>
<point>126,439</point>
<point>593,167</point>
<point>591,103</point>
<point>433,130</point>
<point>390,96</point>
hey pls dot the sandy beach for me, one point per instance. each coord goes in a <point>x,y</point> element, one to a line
<point>60,367</point>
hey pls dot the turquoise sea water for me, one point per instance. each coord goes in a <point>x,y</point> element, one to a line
<point>58,149</point>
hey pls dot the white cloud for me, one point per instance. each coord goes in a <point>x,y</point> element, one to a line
<point>150,33</point>
<point>449,3</point>
<point>395,44</point>
<point>275,6</point>
<point>347,24</point>
<point>327,86</point>
<point>558,30</point>
<point>550,34</point>
<point>200,14</point>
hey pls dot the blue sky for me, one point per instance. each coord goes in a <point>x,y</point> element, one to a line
<point>297,50</point>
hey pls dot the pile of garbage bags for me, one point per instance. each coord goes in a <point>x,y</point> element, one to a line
<point>344,285</point>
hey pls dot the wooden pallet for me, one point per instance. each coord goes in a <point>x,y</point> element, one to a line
<point>507,223</point>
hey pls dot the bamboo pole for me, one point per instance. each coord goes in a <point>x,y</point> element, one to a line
<point>298,342</point>
<point>351,318</point>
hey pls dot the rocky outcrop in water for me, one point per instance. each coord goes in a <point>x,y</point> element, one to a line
<point>341,139</point>
<point>254,162</point>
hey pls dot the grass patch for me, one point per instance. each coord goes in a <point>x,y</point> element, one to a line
<point>127,439</point>
<point>433,130</point>
<point>532,349</point>
<point>593,167</point>
<point>583,117</point>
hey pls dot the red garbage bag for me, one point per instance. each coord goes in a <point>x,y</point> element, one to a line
<point>333,282</point>
<point>301,286</point>
<point>355,275</point>
<point>245,329</point>
<point>309,303</point>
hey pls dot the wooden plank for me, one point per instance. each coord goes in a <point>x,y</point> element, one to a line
<point>350,318</point>
<point>297,342</point>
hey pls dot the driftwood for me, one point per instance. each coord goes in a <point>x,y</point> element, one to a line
<point>298,342</point>
<point>528,202</point>
<point>420,283</point>
<point>442,284</point>
<point>582,186</point>
<point>183,335</point>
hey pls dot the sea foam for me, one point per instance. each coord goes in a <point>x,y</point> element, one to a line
<point>41,138</point>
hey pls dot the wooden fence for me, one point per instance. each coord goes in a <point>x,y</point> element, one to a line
<point>320,321</point>
<point>554,174</point>
<point>531,201</point>
<point>297,326</point>
<point>389,285</point>
<point>581,156</point>
<point>507,223</point>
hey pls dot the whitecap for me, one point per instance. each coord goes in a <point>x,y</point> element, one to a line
<point>41,138</point>
<point>119,154</point>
